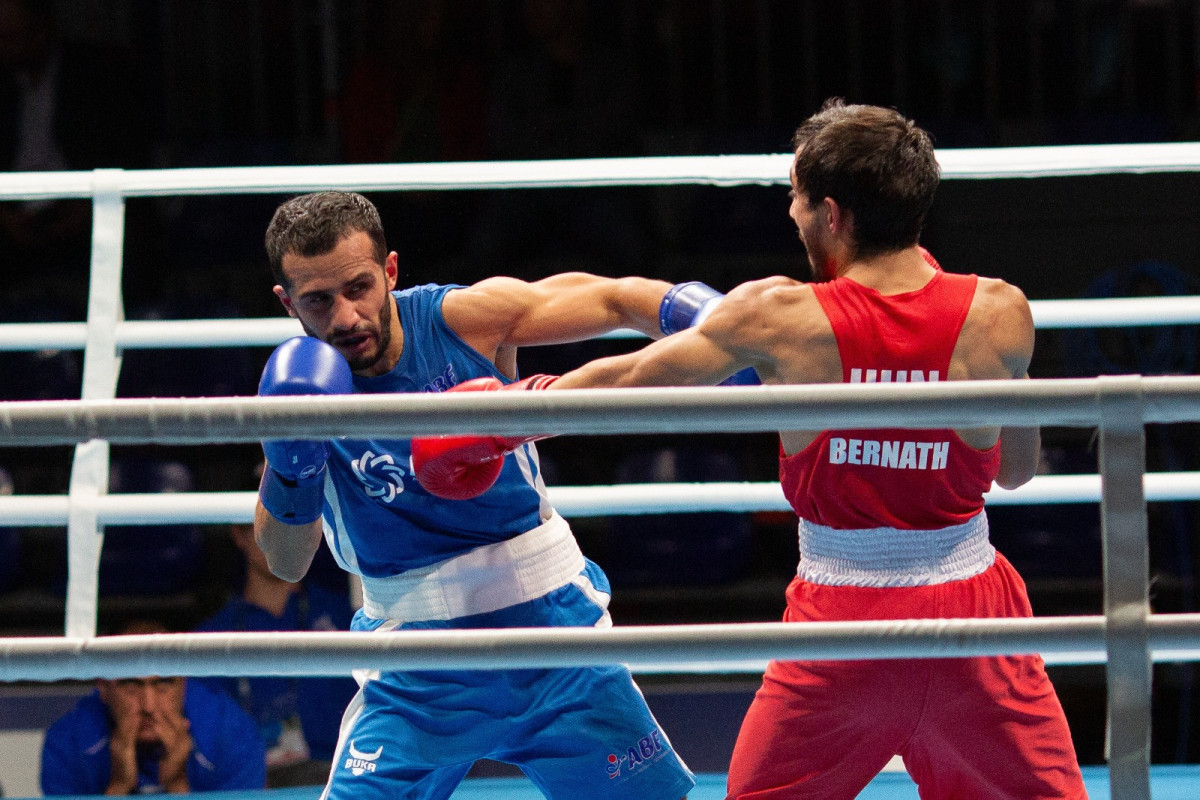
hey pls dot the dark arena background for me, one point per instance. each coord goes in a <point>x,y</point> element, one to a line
<point>176,84</point>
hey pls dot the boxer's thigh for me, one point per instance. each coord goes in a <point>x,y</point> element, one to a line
<point>824,729</point>
<point>412,735</point>
<point>589,733</point>
<point>994,729</point>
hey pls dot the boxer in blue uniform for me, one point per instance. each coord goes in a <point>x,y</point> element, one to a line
<point>503,559</point>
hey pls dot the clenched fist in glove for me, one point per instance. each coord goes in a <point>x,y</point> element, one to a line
<point>464,467</point>
<point>291,488</point>
<point>686,305</point>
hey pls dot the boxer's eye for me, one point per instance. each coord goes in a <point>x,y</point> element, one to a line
<point>315,301</point>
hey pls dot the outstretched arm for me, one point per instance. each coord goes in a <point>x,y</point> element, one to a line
<point>703,355</point>
<point>687,358</point>
<point>464,467</point>
<point>461,467</point>
<point>502,313</point>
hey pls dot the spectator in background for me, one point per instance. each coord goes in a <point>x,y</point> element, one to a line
<point>297,718</point>
<point>151,734</point>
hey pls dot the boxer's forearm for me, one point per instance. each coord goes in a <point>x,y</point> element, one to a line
<point>616,371</point>
<point>637,301</point>
<point>1020,452</point>
<point>289,549</point>
<point>687,358</point>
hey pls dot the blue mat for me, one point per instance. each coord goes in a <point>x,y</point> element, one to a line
<point>1167,782</point>
<point>1173,782</point>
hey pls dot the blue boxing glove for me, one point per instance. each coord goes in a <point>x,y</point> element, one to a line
<point>686,305</point>
<point>291,488</point>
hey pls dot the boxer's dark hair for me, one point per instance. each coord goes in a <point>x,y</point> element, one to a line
<point>313,224</point>
<point>873,162</point>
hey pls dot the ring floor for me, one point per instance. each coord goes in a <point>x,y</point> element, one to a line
<point>705,717</point>
<point>1168,782</point>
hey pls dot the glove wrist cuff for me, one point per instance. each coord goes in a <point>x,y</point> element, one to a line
<point>289,502</point>
<point>537,382</point>
<point>685,305</point>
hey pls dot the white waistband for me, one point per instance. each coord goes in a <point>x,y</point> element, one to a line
<point>892,557</point>
<point>485,579</point>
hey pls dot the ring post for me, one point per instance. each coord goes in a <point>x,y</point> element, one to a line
<point>1124,532</point>
<point>101,364</point>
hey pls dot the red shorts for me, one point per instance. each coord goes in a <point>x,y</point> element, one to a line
<point>965,727</point>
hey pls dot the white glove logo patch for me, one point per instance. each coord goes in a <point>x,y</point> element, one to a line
<point>380,476</point>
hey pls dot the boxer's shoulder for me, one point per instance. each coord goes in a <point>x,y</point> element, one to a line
<point>997,302</point>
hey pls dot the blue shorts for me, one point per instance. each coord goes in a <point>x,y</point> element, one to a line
<point>575,732</point>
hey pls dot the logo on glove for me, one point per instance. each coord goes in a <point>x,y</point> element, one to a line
<point>380,476</point>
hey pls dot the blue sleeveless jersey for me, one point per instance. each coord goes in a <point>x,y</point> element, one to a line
<point>378,520</point>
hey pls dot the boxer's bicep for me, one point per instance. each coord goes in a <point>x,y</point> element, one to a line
<point>569,307</point>
<point>576,306</point>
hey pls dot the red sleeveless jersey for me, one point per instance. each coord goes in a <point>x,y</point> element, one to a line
<point>893,477</point>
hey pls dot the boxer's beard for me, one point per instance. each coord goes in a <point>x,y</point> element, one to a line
<point>367,361</point>
<point>385,329</point>
<point>364,362</point>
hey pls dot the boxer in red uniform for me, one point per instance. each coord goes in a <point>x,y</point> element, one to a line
<point>892,524</point>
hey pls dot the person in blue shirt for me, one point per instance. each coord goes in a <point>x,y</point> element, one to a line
<point>505,559</point>
<point>152,734</point>
<point>297,718</point>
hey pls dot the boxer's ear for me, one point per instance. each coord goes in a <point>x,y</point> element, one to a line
<point>391,269</point>
<point>282,294</point>
<point>839,218</point>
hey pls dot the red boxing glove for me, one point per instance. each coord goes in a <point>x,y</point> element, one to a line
<point>464,467</point>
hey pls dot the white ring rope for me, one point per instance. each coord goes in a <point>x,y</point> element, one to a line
<point>729,170</point>
<point>662,648</point>
<point>225,508</point>
<point>955,404</point>
<point>269,331</point>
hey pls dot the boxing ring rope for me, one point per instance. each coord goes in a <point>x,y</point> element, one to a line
<point>226,508</point>
<point>1126,637</point>
<point>712,648</point>
<point>730,170</point>
<point>268,332</point>
<point>1118,406</point>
